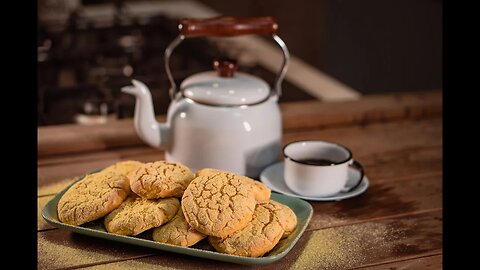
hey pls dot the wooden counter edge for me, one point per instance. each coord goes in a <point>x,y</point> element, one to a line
<point>53,140</point>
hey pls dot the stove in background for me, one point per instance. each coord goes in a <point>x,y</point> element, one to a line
<point>82,65</point>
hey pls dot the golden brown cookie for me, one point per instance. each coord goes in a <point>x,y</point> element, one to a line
<point>257,238</point>
<point>93,197</point>
<point>218,204</point>
<point>261,191</point>
<point>177,232</point>
<point>286,217</point>
<point>209,171</point>
<point>160,179</point>
<point>125,167</point>
<point>136,215</point>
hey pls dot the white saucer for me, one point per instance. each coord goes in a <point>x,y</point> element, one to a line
<point>272,177</point>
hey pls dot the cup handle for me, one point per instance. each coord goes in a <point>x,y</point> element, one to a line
<point>356,165</point>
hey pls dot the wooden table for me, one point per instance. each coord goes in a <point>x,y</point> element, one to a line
<point>397,223</point>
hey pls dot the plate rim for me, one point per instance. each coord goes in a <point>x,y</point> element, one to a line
<point>334,198</point>
<point>201,253</point>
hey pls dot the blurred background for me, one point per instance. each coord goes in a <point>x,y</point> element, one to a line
<point>89,49</point>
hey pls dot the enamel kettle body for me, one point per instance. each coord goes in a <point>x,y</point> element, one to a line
<point>222,120</point>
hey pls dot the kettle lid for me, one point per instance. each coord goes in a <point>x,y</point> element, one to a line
<point>225,87</point>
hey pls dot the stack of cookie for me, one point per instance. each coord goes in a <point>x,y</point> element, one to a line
<point>233,211</point>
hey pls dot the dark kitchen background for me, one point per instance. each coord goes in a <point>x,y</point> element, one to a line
<point>372,46</point>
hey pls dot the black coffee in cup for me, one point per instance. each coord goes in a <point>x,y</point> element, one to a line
<point>317,161</point>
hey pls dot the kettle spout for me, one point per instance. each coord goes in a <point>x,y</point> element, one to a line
<point>148,129</point>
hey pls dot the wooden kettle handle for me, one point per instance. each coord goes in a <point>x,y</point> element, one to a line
<point>228,26</point>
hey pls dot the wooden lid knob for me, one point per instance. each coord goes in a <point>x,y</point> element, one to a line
<point>225,67</point>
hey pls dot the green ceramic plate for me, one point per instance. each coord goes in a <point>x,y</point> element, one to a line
<point>302,209</point>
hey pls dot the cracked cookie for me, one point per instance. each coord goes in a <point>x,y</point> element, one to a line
<point>218,204</point>
<point>92,197</point>
<point>259,237</point>
<point>160,179</point>
<point>285,216</point>
<point>260,190</point>
<point>124,167</point>
<point>136,215</point>
<point>177,232</point>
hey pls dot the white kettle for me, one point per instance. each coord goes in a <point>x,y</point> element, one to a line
<point>217,119</point>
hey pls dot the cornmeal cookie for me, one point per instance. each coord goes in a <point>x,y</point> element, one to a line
<point>136,215</point>
<point>160,179</point>
<point>209,171</point>
<point>259,237</point>
<point>286,217</point>
<point>261,191</point>
<point>218,204</point>
<point>177,232</point>
<point>125,167</point>
<point>93,197</point>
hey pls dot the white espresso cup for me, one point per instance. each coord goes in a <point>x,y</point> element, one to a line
<point>319,168</point>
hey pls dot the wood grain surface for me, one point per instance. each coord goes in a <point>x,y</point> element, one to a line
<point>395,224</point>
<point>296,115</point>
